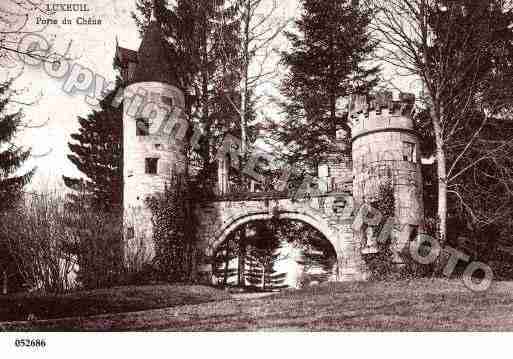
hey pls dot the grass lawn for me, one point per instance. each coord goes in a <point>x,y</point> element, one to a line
<point>102,301</point>
<point>406,305</point>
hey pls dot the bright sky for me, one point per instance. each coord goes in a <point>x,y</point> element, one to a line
<point>92,46</point>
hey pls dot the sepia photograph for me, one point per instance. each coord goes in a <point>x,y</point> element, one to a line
<point>238,166</point>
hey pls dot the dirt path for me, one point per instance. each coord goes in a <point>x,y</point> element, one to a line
<point>247,296</point>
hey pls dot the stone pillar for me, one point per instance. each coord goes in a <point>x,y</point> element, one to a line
<point>223,168</point>
<point>350,263</point>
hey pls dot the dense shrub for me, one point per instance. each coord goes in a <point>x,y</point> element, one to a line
<point>173,232</point>
<point>38,240</point>
<point>98,247</point>
<point>58,249</point>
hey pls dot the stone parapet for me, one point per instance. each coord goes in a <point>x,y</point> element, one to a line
<point>380,112</point>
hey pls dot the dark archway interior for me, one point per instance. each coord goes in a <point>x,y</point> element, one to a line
<point>273,254</point>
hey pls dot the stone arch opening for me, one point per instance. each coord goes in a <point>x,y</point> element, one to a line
<point>310,258</point>
<point>231,225</point>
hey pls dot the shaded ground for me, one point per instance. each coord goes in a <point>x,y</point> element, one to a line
<point>247,296</point>
<point>414,305</point>
<point>102,301</point>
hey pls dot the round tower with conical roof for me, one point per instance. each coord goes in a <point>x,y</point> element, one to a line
<point>385,152</point>
<point>153,152</point>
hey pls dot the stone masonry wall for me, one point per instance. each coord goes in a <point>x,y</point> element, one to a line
<point>139,185</point>
<point>324,213</point>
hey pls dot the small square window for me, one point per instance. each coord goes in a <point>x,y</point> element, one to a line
<point>130,233</point>
<point>414,232</point>
<point>143,127</point>
<point>166,100</point>
<point>151,166</point>
<point>324,170</point>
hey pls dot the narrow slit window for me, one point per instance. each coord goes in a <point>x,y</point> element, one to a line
<point>143,127</point>
<point>152,166</point>
<point>409,152</point>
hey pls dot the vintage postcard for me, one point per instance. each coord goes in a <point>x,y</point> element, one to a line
<point>255,165</point>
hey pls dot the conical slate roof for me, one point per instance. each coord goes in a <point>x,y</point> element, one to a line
<point>155,61</point>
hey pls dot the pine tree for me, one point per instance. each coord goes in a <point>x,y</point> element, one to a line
<point>11,184</point>
<point>97,153</point>
<point>226,253</point>
<point>262,255</point>
<point>253,271</point>
<point>261,270</point>
<point>325,65</point>
<point>317,255</point>
<point>11,156</point>
<point>315,260</point>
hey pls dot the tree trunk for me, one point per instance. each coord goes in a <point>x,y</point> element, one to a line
<point>264,286</point>
<point>226,265</point>
<point>4,285</point>
<point>242,257</point>
<point>442,178</point>
<point>436,118</point>
<point>245,83</point>
<point>245,77</point>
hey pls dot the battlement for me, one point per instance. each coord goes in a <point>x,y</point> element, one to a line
<point>381,111</point>
<point>378,121</point>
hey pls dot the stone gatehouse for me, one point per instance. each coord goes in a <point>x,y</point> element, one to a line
<point>384,147</point>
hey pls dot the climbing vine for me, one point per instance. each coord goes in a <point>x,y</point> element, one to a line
<point>381,262</point>
<point>173,231</point>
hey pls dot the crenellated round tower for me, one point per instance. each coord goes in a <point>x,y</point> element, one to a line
<point>385,151</point>
<point>152,155</point>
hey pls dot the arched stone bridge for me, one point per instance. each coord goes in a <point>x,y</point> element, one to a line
<point>219,218</point>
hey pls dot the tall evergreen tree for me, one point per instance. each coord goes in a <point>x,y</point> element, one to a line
<point>11,183</point>
<point>316,254</point>
<point>97,153</point>
<point>11,156</point>
<point>263,254</point>
<point>325,65</point>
